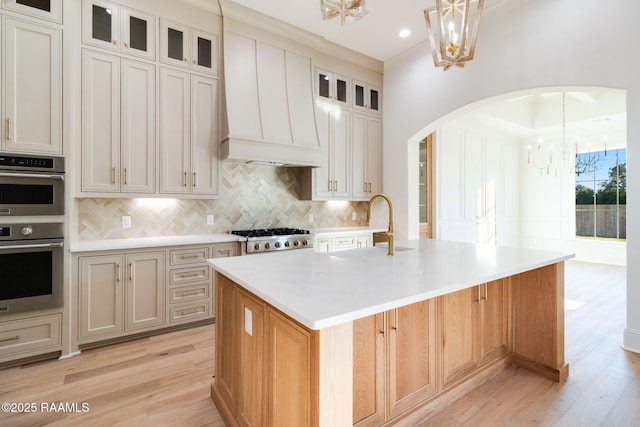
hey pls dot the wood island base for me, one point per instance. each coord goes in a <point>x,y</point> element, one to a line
<point>392,368</point>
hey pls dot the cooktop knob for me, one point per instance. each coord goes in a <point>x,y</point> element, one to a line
<point>267,245</point>
<point>278,244</point>
<point>26,230</point>
<point>296,243</point>
<point>305,242</point>
<point>256,246</point>
<point>287,244</point>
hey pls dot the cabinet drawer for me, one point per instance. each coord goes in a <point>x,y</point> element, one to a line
<point>188,293</point>
<point>344,242</point>
<point>22,336</point>
<point>222,250</point>
<point>191,274</point>
<point>189,256</point>
<point>190,312</point>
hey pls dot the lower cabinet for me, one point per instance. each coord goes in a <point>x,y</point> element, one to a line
<point>403,359</point>
<point>474,329</point>
<point>339,242</point>
<point>30,337</point>
<point>263,370</point>
<point>394,362</point>
<point>126,292</point>
<point>121,293</point>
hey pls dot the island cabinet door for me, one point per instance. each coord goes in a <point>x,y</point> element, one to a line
<point>369,371</point>
<point>494,321</point>
<point>459,320</point>
<point>288,372</point>
<point>251,408</point>
<point>411,336</point>
<point>226,352</point>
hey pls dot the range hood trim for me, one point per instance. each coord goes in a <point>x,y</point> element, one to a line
<point>250,151</point>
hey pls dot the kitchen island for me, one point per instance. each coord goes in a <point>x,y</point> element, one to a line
<point>360,337</point>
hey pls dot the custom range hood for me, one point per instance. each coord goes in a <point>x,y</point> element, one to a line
<point>268,102</point>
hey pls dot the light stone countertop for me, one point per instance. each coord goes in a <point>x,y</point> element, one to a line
<point>152,242</point>
<point>321,290</point>
<point>345,230</point>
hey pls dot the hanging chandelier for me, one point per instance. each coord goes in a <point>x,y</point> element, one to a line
<point>453,31</point>
<point>554,157</point>
<point>342,8</point>
<point>565,156</point>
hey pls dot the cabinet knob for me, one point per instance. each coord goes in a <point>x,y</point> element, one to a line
<point>185,60</point>
<point>115,41</point>
<point>126,45</point>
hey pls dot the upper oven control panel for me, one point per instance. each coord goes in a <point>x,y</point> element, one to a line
<point>32,163</point>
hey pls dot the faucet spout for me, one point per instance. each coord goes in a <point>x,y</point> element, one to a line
<point>389,234</point>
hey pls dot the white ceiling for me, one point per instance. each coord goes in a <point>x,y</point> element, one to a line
<point>376,35</point>
<point>523,115</point>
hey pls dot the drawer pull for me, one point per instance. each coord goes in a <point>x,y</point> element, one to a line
<point>188,293</point>
<point>189,256</point>
<point>16,338</point>
<point>190,311</point>
<point>194,274</point>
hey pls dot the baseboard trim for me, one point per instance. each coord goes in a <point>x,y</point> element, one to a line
<point>631,340</point>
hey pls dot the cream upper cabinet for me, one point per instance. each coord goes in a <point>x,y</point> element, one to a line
<point>175,103</point>
<point>332,87</point>
<point>115,27</point>
<point>187,47</point>
<point>350,132</point>
<point>366,97</point>
<point>44,9</point>
<point>31,88</point>
<point>188,134</point>
<point>330,179</point>
<point>205,169</point>
<point>118,125</point>
<point>366,148</point>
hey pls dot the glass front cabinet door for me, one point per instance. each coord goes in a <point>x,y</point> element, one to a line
<point>114,27</point>
<point>46,9</point>
<point>187,47</point>
<point>366,97</point>
<point>332,87</point>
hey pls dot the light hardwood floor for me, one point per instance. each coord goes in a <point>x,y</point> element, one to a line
<point>164,380</point>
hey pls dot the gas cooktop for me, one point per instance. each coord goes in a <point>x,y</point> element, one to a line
<point>275,239</point>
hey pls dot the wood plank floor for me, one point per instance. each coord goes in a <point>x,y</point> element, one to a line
<point>164,380</point>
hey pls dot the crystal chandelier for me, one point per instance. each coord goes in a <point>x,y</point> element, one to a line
<point>342,8</point>
<point>453,30</point>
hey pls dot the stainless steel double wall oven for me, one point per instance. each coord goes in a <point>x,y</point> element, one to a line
<point>31,251</point>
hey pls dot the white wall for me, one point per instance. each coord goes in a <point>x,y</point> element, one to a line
<point>522,44</point>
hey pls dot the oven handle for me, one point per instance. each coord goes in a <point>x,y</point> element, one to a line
<point>29,175</point>
<point>39,245</point>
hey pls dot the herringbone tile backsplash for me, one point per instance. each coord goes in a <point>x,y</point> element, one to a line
<point>253,196</point>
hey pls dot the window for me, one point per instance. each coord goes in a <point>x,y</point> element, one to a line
<point>601,194</point>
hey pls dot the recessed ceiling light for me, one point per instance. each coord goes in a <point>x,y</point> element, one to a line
<point>404,33</point>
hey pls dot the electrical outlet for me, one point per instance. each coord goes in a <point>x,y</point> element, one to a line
<point>310,217</point>
<point>248,321</point>
<point>209,219</point>
<point>354,216</point>
<point>126,221</point>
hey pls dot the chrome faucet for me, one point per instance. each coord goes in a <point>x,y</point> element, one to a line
<point>387,235</point>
